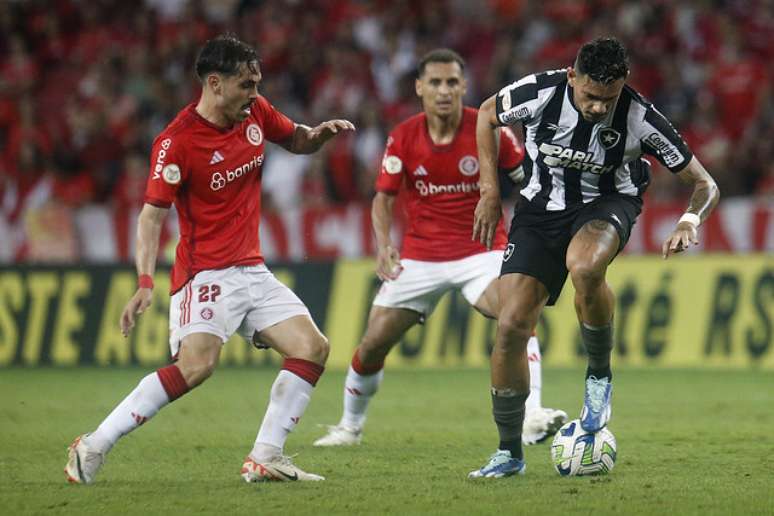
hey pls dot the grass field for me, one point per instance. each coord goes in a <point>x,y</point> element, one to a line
<point>689,442</point>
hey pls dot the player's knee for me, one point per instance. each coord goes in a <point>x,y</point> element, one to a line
<point>586,274</point>
<point>314,348</point>
<point>513,330</point>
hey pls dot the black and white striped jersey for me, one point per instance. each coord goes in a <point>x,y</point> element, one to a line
<point>570,160</point>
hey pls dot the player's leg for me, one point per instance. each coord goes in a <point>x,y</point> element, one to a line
<point>386,326</point>
<point>305,351</point>
<point>602,230</point>
<point>522,298</point>
<point>539,422</point>
<point>197,359</point>
<point>278,319</point>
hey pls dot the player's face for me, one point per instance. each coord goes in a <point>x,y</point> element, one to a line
<point>441,88</point>
<point>594,100</point>
<point>238,92</point>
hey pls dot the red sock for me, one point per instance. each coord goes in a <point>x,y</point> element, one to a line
<point>304,369</point>
<point>173,382</point>
<point>365,370</point>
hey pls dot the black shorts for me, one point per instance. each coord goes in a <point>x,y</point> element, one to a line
<point>538,240</point>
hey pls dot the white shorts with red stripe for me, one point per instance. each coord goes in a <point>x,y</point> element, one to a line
<point>244,299</point>
<point>421,284</point>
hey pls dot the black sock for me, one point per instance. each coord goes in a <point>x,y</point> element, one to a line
<point>600,373</point>
<point>514,447</point>
<point>599,344</point>
<point>508,409</point>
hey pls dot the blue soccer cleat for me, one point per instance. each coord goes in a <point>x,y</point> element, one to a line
<point>500,465</point>
<point>596,404</point>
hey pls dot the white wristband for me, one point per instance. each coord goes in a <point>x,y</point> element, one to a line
<point>690,217</point>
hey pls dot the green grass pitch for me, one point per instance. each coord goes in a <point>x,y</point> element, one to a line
<point>689,442</point>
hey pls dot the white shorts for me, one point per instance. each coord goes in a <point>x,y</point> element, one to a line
<point>421,284</point>
<point>244,299</point>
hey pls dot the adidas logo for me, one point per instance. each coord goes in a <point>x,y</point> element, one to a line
<point>420,171</point>
<point>217,157</point>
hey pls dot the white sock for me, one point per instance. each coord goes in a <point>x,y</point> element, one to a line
<point>289,397</point>
<point>535,374</point>
<point>142,404</point>
<point>358,391</point>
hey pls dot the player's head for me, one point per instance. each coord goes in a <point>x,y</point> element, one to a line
<point>229,72</point>
<point>441,82</point>
<point>598,77</point>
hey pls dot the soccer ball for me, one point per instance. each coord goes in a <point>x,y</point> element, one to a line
<point>577,452</point>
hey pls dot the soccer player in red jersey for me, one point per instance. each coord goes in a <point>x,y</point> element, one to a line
<point>208,163</point>
<point>433,154</point>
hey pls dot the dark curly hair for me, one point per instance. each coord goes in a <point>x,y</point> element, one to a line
<point>224,54</point>
<point>440,55</point>
<point>604,60</point>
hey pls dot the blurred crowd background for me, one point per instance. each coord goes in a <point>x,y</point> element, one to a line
<point>86,85</point>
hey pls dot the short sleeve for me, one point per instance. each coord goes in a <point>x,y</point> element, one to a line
<point>511,150</point>
<point>391,173</point>
<point>276,126</point>
<point>660,139</point>
<point>167,172</point>
<point>516,102</point>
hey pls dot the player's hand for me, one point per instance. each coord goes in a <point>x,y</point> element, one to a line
<point>487,215</point>
<point>683,236</point>
<point>388,265</point>
<point>329,129</point>
<point>140,302</point>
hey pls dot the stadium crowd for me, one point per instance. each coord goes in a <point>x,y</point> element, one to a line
<point>86,84</point>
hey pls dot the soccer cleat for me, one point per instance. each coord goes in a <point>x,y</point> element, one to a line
<point>83,462</point>
<point>340,435</point>
<point>596,404</point>
<point>542,423</point>
<point>500,465</point>
<point>279,469</point>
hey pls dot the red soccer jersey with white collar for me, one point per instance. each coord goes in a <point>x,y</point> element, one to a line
<point>213,177</point>
<point>442,186</point>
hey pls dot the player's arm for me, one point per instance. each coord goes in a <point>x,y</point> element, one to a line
<point>704,198</point>
<point>387,257</point>
<point>306,140</point>
<point>489,209</point>
<point>149,227</point>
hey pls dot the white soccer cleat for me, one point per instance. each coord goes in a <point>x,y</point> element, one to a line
<point>83,462</point>
<point>279,469</point>
<point>340,435</point>
<point>542,423</point>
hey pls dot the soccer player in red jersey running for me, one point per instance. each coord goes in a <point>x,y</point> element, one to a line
<point>434,155</point>
<point>208,163</point>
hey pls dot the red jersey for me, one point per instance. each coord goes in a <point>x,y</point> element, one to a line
<point>442,186</point>
<point>213,176</point>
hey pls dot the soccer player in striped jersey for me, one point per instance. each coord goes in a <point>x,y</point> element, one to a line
<point>585,134</point>
<point>432,157</point>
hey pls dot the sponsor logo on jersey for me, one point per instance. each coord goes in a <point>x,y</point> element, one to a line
<point>508,252</point>
<point>510,117</point>
<point>558,156</point>
<point>207,313</point>
<point>420,171</point>
<point>666,150</point>
<point>392,164</point>
<point>468,166</point>
<point>431,188</point>
<point>254,134</point>
<point>160,157</point>
<point>171,174</point>
<point>220,179</point>
<point>608,137</point>
<point>217,157</point>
